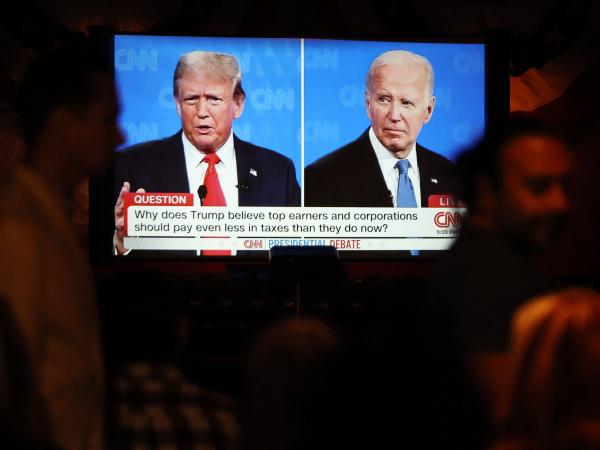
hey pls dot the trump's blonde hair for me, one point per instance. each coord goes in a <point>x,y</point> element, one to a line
<point>222,65</point>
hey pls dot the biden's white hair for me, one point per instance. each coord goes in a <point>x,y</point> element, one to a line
<point>401,57</point>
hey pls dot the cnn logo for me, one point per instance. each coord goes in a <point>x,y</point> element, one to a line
<point>445,219</point>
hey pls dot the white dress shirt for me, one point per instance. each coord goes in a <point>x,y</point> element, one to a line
<point>226,169</point>
<point>387,163</point>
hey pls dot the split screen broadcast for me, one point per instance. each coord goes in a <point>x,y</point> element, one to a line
<point>236,145</point>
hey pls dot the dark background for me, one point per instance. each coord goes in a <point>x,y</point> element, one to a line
<point>554,72</point>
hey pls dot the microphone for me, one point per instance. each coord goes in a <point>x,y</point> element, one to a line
<point>243,185</point>
<point>202,193</point>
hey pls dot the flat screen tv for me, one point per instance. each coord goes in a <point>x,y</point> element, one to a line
<point>313,148</point>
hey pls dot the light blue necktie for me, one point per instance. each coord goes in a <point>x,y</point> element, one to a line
<point>405,196</point>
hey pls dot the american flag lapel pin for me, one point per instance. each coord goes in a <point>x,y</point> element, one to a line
<point>253,172</point>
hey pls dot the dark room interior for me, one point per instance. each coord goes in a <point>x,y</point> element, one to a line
<point>315,348</point>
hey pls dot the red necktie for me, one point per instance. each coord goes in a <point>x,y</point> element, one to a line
<point>214,194</point>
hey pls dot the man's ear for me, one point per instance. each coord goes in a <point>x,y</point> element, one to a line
<point>177,105</point>
<point>64,126</point>
<point>429,110</point>
<point>239,106</point>
<point>368,104</point>
<point>63,121</point>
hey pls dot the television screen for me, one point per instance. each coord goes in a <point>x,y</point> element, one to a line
<point>235,145</point>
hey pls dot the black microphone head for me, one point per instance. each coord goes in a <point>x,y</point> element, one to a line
<point>243,185</point>
<point>202,191</point>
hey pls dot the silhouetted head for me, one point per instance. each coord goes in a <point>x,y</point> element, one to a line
<point>516,179</point>
<point>555,398</point>
<point>286,370</point>
<point>68,108</point>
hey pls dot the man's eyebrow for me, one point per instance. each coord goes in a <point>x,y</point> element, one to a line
<point>194,95</point>
<point>214,94</point>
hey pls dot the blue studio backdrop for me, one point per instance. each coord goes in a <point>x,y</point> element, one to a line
<point>334,93</point>
<point>144,67</point>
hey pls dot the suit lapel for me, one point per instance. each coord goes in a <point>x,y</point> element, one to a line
<point>249,174</point>
<point>172,172</point>
<point>370,170</point>
<point>426,180</point>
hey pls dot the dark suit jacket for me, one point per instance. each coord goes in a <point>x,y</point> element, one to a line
<point>159,166</point>
<point>351,176</point>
